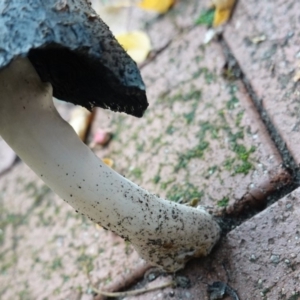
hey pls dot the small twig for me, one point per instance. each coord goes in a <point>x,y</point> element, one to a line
<point>132,293</point>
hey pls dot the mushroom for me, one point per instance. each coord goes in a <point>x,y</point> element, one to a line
<point>62,48</point>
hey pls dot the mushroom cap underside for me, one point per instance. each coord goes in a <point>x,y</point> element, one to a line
<point>74,50</point>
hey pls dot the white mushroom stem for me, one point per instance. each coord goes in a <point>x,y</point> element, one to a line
<point>163,232</point>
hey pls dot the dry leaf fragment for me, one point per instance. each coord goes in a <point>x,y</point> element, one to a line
<point>80,121</point>
<point>223,11</point>
<point>136,43</point>
<point>108,161</point>
<point>258,39</point>
<point>160,6</point>
<point>296,76</point>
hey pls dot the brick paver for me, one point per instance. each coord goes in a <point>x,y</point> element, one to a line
<point>201,134</point>
<point>259,259</point>
<point>271,64</point>
<point>46,248</point>
<point>200,138</point>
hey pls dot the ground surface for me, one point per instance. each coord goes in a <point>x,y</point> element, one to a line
<point>222,127</point>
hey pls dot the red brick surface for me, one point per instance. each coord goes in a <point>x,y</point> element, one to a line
<point>259,259</point>
<point>200,138</point>
<point>272,64</point>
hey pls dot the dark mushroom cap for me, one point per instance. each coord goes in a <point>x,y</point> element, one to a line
<point>71,47</point>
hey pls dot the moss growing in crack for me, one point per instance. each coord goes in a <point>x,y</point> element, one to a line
<point>234,137</point>
<point>243,155</point>
<point>65,278</point>
<point>223,202</point>
<point>184,193</point>
<point>24,294</point>
<point>209,76</point>
<point>136,172</point>
<point>242,152</point>
<point>8,263</point>
<point>206,17</point>
<point>211,170</point>
<point>243,168</point>
<point>170,130</point>
<point>228,164</point>
<point>56,264</point>
<point>156,179</point>
<point>189,117</point>
<point>239,118</point>
<point>156,141</point>
<point>232,103</point>
<point>140,147</point>
<point>207,127</point>
<point>294,297</point>
<point>199,150</point>
<point>193,94</point>
<point>86,262</point>
<point>196,152</point>
<point>239,164</point>
<point>165,184</point>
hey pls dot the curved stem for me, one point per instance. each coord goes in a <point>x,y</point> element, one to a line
<point>163,232</point>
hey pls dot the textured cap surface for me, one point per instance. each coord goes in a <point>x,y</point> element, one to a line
<point>71,47</point>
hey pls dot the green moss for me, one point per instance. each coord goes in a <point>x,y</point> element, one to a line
<point>184,193</point>
<point>57,291</point>
<point>228,164</point>
<point>239,118</point>
<point>140,147</point>
<point>211,170</point>
<point>189,117</point>
<point>242,153</point>
<point>207,127</point>
<point>156,141</point>
<point>56,264</point>
<point>192,95</point>
<point>232,103</point>
<point>198,58</point>
<point>209,77</point>
<point>239,164</point>
<point>206,17</point>
<point>86,262</point>
<point>156,179</point>
<point>136,172</point>
<point>170,130</point>
<point>196,152</point>
<point>223,202</point>
<point>8,263</point>
<point>294,297</point>
<point>65,278</point>
<point>24,294</point>
<point>165,184</point>
<point>234,137</point>
<point>243,168</point>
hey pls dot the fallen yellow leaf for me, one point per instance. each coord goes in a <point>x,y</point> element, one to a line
<point>80,121</point>
<point>136,43</point>
<point>108,161</point>
<point>223,11</point>
<point>160,6</point>
<point>296,76</point>
<point>223,4</point>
